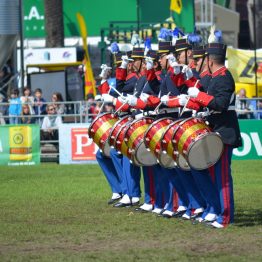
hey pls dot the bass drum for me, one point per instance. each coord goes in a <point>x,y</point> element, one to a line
<point>134,138</point>
<point>194,139</point>
<point>100,129</point>
<point>170,157</point>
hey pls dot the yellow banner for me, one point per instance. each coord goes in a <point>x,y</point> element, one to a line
<point>241,64</point>
<point>176,6</point>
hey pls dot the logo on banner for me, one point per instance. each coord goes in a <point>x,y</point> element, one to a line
<point>83,147</point>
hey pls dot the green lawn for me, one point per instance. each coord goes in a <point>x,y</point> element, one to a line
<point>60,213</point>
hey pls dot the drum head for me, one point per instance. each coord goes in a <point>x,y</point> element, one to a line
<point>166,161</point>
<point>144,157</point>
<point>106,148</point>
<point>205,152</point>
<point>182,163</point>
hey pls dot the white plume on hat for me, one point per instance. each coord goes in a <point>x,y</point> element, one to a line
<point>136,40</point>
<point>212,37</point>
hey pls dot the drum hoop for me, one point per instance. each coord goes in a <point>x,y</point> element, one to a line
<point>117,134</point>
<point>136,120</point>
<point>167,130</point>
<point>94,121</point>
<point>116,123</point>
<point>203,135</point>
<point>156,122</point>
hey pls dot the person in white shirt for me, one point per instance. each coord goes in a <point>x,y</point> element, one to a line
<point>50,124</point>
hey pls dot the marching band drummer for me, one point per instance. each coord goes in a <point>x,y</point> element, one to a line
<point>170,180</point>
<point>220,100</point>
<point>127,76</point>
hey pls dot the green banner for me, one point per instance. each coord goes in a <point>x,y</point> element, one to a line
<point>19,145</point>
<point>251,133</point>
<point>186,19</point>
<point>99,13</point>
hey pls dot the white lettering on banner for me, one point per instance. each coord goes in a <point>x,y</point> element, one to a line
<point>80,144</point>
<point>1,147</point>
<point>34,14</point>
<point>257,143</point>
<point>247,144</point>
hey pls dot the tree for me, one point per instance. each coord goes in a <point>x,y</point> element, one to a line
<point>54,24</point>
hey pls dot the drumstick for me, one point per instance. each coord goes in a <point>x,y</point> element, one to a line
<point>188,98</point>
<point>111,87</point>
<point>160,104</point>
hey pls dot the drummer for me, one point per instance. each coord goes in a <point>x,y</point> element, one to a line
<point>220,101</point>
<point>127,76</point>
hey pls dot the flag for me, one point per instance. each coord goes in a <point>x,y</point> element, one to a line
<point>176,6</point>
<point>90,85</point>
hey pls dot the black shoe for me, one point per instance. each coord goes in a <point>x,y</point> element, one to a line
<point>179,213</point>
<point>112,201</point>
<point>119,204</point>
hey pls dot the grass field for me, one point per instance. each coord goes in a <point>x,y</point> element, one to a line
<point>60,213</point>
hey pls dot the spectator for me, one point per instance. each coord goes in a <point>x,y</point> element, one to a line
<point>3,109</point>
<point>26,115</point>
<point>50,124</point>
<point>57,98</point>
<point>15,107</point>
<point>90,108</point>
<point>243,105</point>
<point>256,106</point>
<point>28,99</point>
<point>39,104</point>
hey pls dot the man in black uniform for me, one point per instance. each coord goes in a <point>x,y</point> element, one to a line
<point>220,100</point>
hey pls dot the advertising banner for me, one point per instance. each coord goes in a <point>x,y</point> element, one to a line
<point>75,146</point>
<point>251,133</point>
<point>241,64</point>
<point>19,145</point>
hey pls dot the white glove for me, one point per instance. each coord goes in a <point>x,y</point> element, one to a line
<point>125,61</point>
<point>164,99</point>
<point>187,71</point>
<point>131,100</point>
<point>149,63</point>
<point>193,91</point>
<point>122,99</point>
<point>104,72</point>
<point>106,98</point>
<point>183,99</point>
<point>172,60</point>
<point>144,97</point>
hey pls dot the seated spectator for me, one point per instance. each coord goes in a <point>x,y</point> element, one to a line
<point>26,115</point>
<point>50,124</point>
<point>56,99</point>
<point>15,107</point>
<point>28,99</point>
<point>39,104</point>
<point>243,105</point>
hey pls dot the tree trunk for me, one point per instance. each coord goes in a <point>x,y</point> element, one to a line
<point>54,24</point>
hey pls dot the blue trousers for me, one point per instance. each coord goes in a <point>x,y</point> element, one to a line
<point>194,196</point>
<point>208,191</point>
<point>149,185</point>
<point>224,186</point>
<point>174,182</point>
<point>110,172</point>
<point>131,174</point>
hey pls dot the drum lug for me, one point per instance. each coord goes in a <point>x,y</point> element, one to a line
<point>126,139</point>
<point>92,130</point>
<point>148,149</point>
<point>118,152</point>
<point>147,139</point>
<point>174,141</point>
<point>164,141</point>
<point>118,142</point>
<point>185,152</point>
<point>164,152</point>
<point>175,163</point>
<point>157,161</point>
<point>100,150</point>
<point>176,153</point>
<point>207,123</point>
<point>157,150</point>
<point>112,146</point>
<point>131,161</point>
